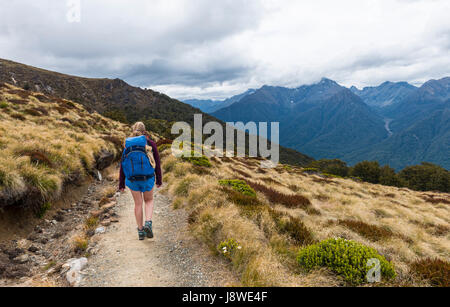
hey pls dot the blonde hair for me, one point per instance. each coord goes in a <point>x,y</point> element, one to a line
<point>138,129</point>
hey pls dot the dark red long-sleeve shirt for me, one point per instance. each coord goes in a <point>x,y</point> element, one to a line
<point>158,173</point>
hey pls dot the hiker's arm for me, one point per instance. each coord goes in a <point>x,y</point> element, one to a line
<point>158,163</point>
<point>121,178</point>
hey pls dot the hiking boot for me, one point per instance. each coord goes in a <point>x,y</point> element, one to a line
<point>141,233</point>
<point>148,229</point>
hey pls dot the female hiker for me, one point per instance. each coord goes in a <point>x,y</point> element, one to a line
<point>139,168</point>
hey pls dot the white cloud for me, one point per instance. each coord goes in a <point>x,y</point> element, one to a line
<point>200,48</point>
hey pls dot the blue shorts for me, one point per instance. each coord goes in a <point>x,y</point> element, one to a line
<point>141,186</point>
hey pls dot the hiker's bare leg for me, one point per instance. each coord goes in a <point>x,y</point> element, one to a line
<point>148,200</point>
<point>138,200</point>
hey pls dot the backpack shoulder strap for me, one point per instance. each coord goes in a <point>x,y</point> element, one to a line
<point>134,149</point>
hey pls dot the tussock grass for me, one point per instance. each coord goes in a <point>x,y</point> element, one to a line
<point>178,202</point>
<point>40,152</point>
<point>91,223</point>
<point>109,191</point>
<point>80,243</point>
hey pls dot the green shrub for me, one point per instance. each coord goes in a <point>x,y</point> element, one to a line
<point>389,177</point>
<point>426,177</point>
<point>334,167</point>
<point>239,186</point>
<point>347,258</point>
<point>227,248</point>
<point>368,171</point>
<point>117,115</point>
<point>198,161</point>
<point>3,105</point>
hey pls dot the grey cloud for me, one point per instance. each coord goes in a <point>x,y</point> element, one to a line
<point>111,38</point>
<point>204,43</point>
<point>164,72</point>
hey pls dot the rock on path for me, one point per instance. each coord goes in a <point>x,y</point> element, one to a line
<point>172,258</point>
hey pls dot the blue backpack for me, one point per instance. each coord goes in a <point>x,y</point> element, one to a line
<point>135,162</point>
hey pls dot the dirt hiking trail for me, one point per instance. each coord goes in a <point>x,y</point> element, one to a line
<point>172,258</point>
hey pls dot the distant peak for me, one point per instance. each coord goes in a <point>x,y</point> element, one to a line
<point>327,81</point>
<point>387,83</point>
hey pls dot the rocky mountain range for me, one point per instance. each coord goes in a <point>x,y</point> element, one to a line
<point>395,123</point>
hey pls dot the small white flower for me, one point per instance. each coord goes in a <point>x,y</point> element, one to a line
<point>239,247</point>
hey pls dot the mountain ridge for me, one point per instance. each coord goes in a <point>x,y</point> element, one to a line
<point>302,113</point>
<point>210,106</point>
<point>118,100</point>
<point>386,94</point>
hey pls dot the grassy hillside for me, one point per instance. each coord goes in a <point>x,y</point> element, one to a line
<point>47,143</point>
<point>275,225</point>
<point>117,100</point>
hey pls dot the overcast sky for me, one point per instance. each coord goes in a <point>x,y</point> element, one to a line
<point>215,49</point>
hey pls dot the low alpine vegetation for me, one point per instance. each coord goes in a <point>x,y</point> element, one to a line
<point>228,248</point>
<point>371,232</point>
<point>80,243</point>
<point>293,227</point>
<point>279,215</point>
<point>198,161</point>
<point>238,186</point>
<point>91,223</point>
<point>274,196</point>
<point>41,152</point>
<point>347,258</point>
<point>435,271</point>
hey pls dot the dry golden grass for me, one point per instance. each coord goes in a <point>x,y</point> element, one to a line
<point>42,149</point>
<point>80,243</point>
<point>109,191</point>
<point>401,224</point>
